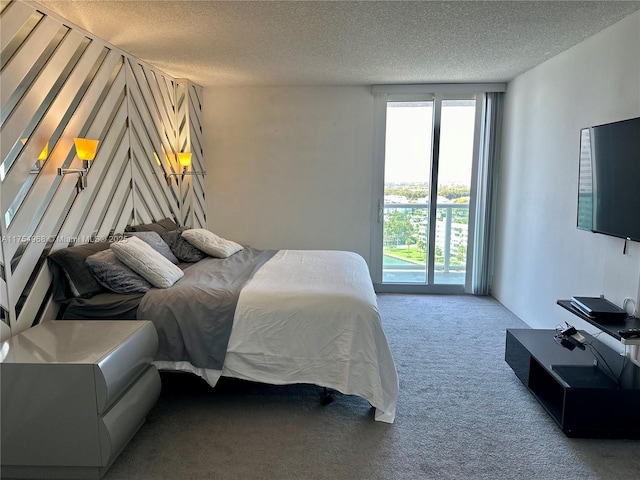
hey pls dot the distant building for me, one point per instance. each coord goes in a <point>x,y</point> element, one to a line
<point>395,199</point>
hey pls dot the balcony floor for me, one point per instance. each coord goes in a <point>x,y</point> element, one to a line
<point>418,276</point>
<point>396,270</point>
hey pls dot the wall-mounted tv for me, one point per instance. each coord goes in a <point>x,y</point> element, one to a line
<point>609,179</point>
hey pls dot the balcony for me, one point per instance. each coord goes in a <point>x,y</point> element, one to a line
<point>405,243</point>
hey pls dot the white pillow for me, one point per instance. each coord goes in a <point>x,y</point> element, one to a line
<point>140,257</point>
<point>210,243</point>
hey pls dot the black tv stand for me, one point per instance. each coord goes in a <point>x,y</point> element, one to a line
<point>590,393</point>
<point>608,326</point>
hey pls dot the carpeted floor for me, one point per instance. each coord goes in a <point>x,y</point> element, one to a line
<point>462,414</point>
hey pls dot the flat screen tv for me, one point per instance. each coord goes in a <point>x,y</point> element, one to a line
<point>609,179</point>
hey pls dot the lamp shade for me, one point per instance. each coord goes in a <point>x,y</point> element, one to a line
<point>86,148</point>
<point>44,153</point>
<point>184,158</point>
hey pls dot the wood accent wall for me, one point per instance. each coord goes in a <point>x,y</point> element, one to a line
<point>59,82</point>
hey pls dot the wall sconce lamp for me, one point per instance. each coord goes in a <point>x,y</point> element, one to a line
<point>44,153</point>
<point>41,158</point>
<point>184,159</point>
<point>86,151</point>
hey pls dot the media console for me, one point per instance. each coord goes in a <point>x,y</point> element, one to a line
<point>590,393</point>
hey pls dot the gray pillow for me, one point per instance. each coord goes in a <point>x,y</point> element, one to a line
<point>144,260</point>
<point>114,274</point>
<point>79,282</point>
<point>161,226</point>
<point>181,248</point>
<point>156,242</point>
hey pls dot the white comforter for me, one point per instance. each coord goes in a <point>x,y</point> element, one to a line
<point>311,317</point>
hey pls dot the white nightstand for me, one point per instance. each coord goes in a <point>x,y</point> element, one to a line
<point>73,394</point>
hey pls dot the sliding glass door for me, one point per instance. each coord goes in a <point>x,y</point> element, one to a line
<point>405,205</point>
<point>426,150</point>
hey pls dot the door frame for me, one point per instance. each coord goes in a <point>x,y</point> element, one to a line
<point>407,93</point>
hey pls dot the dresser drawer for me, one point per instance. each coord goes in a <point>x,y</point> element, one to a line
<point>119,368</point>
<point>127,415</point>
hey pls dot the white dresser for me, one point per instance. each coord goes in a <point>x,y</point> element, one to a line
<point>73,394</point>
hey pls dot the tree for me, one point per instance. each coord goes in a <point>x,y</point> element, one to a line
<point>410,191</point>
<point>453,191</point>
<point>408,242</point>
<point>397,228</point>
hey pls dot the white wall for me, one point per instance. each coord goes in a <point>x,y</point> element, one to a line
<point>290,167</point>
<point>541,256</point>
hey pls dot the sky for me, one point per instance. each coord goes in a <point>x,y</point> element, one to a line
<point>408,143</point>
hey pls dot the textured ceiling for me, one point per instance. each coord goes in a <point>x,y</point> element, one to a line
<point>342,42</point>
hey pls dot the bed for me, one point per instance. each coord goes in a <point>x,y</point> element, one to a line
<point>270,316</point>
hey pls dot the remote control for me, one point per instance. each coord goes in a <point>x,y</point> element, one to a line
<point>629,333</point>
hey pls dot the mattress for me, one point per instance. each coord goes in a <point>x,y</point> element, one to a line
<point>103,306</point>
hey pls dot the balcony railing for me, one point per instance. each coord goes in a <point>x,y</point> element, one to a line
<point>403,263</point>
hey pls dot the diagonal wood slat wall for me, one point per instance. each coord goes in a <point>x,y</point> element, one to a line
<point>189,108</point>
<point>152,116</point>
<point>59,82</point>
<point>197,203</point>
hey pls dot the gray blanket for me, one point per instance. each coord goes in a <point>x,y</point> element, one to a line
<point>194,317</point>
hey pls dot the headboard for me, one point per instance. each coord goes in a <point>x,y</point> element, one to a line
<point>60,83</point>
